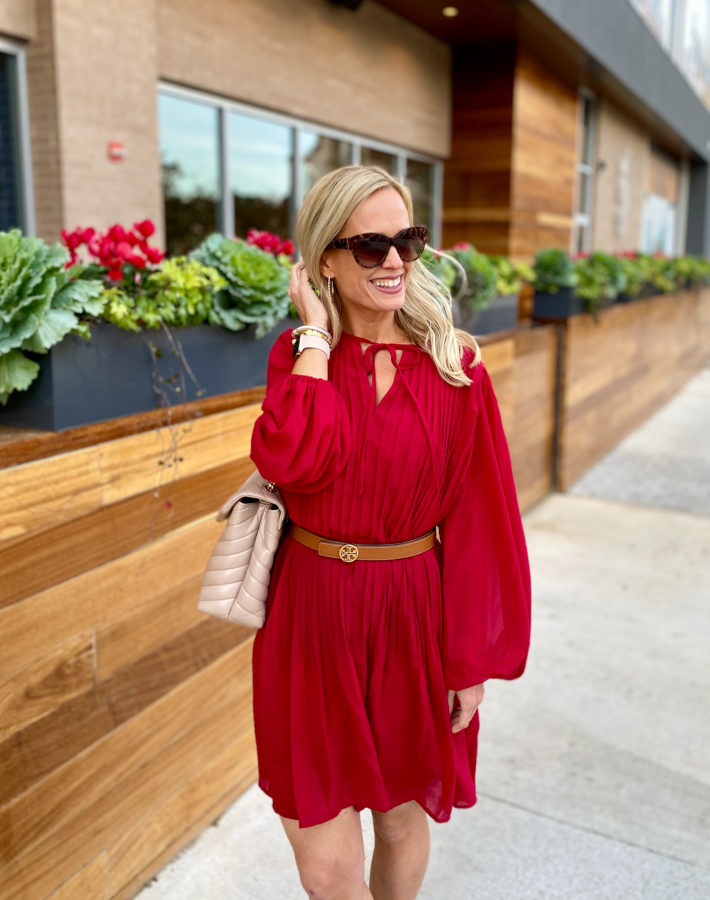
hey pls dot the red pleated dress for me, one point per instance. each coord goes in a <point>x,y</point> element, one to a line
<point>352,665</point>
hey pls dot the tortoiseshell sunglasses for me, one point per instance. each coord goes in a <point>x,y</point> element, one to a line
<point>371,249</point>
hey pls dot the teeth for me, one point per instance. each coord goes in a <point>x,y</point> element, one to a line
<point>388,282</point>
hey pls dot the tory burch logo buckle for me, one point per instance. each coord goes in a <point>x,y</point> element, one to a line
<point>348,553</point>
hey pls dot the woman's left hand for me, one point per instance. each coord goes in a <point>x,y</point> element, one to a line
<point>470,699</point>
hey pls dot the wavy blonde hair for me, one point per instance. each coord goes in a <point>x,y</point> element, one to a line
<point>425,316</point>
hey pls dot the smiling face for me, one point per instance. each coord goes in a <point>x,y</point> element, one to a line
<point>369,292</point>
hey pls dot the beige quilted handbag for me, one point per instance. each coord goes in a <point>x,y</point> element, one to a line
<point>236,581</point>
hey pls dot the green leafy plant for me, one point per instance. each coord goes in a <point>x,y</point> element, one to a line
<point>441,267</point>
<point>554,270</point>
<point>658,271</point>
<point>178,294</point>
<point>633,272</point>
<point>481,276</point>
<point>40,302</point>
<point>600,279</point>
<point>693,270</point>
<point>511,275</point>
<point>255,285</point>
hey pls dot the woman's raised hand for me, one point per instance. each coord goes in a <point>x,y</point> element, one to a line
<point>469,699</point>
<point>305,299</point>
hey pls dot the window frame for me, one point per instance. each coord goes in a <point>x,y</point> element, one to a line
<point>24,152</point>
<point>582,217</point>
<point>225,106</point>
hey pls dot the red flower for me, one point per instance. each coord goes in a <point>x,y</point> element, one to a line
<point>153,254</point>
<point>462,245</point>
<point>136,260</point>
<point>146,227</point>
<point>269,242</point>
<point>123,250</point>
<point>115,274</point>
<point>71,239</point>
<point>116,233</point>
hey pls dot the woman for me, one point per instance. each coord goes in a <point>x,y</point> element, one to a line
<point>368,672</point>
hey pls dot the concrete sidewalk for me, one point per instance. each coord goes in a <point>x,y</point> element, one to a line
<point>594,767</point>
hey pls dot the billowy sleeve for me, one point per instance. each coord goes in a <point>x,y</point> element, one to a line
<point>302,439</point>
<point>485,568</point>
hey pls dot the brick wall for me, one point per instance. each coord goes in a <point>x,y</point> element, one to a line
<point>45,142</point>
<point>18,18</point>
<point>370,72</point>
<point>623,150</point>
<point>107,73</point>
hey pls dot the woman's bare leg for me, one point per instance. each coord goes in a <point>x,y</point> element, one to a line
<point>330,857</point>
<point>401,852</point>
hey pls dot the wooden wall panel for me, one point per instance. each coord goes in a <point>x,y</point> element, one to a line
<point>531,437</point>
<point>522,369</point>
<point>477,173</point>
<point>123,710</point>
<point>509,182</point>
<point>543,158</point>
<point>39,495</point>
<point>108,533</point>
<point>619,371</point>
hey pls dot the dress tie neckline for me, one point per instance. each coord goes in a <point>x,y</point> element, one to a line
<point>411,357</point>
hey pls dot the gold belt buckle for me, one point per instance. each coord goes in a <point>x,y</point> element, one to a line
<point>348,553</point>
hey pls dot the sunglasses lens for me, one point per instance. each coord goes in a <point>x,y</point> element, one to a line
<point>370,251</point>
<point>409,248</point>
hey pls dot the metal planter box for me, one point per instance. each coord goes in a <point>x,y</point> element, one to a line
<point>562,305</point>
<point>114,373</point>
<point>500,315</point>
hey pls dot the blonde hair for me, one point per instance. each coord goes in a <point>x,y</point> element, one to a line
<point>426,316</point>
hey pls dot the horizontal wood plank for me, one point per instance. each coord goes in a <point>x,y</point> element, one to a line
<point>39,495</point>
<point>89,883</point>
<point>111,531</point>
<point>34,625</point>
<point>46,683</point>
<point>47,744</point>
<point>22,445</point>
<point>620,369</point>
<point>144,738</point>
<point>128,791</point>
<point>141,850</point>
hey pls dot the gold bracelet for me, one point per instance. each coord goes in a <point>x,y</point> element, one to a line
<point>301,328</point>
<point>315,333</point>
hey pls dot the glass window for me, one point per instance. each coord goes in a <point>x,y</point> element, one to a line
<point>660,206</point>
<point>372,157</point>
<point>420,180</point>
<point>321,154</point>
<point>658,226</point>
<point>658,15</point>
<point>189,147</point>
<point>10,168</point>
<point>695,58</point>
<point>226,168</point>
<point>260,174</point>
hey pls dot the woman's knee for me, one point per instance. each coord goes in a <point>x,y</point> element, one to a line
<point>399,823</point>
<point>330,877</point>
<point>330,857</point>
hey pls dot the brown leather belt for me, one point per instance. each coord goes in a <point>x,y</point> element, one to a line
<point>351,552</point>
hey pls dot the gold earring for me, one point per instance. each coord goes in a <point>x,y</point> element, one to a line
<point>329,288</point>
